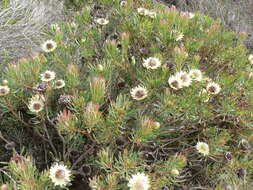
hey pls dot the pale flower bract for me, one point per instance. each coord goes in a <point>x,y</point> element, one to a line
<point>102,21</point>
<point>175,82</point>
<point>152,63</point>
<point>202,148</point>
<point>139,93</point>
<point>4,90</point>
<point>59,84</point>
<point>184,77</point>
<point>213,88</point>
<point>36,104</point>
<point>60,175</point>
<point>139,181</point>
<point>250,58</point>
<point>49,46</point>
<point>196,74</point>
<point>47,76</point>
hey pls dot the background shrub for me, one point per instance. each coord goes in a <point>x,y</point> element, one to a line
<point>104,135</point>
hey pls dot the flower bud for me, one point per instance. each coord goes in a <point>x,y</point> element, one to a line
<point>4,187</point>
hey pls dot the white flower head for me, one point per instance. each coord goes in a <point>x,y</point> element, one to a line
<point>151,14</point>
<point>123,3</point>
<point>5,82</point>
<point>152,63</point>
<point>196,74</point>
<point>49,46</point>
<point>102,21</point>
<point>142,11</point>
<point>59,84</point>
<point>175,172</point>
<point>4,90</point>
<point>251,58</point>
<point>100,67</point>
<point>185,78</point>
<point>139,181</point>
<point>202,148</point>
<point>60,175</point>
<point>139,93</point>
<point>191,15</point>
<point>175,82</point>
<point>36,104</point>
<point>47,76</point>
<point>213,88</point>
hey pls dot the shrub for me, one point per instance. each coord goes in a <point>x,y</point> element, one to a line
<point>135,91</point>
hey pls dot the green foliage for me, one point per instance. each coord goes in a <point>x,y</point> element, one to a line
<point>96,117</point>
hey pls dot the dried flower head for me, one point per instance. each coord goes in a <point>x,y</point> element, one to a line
<point>47,76</point>
<point>49,46</point>
<point>102,21</point>
<point>185,78</point>
<point>196,74</point>
<point>60,175</point>
<point>251,58</point>
<point>152,63</point>
<point>64,99</point>
<point>36,104</point>
<point>202,148</point>
<point>41,87</point>
<point>4,90</point>
<point>139,93</point>
<point>139,181</point>
<point>175,82</point>
<point>213,88</point>
<point>59,84</point>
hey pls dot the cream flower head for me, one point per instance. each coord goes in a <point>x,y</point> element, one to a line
<point>142,11</point>
<point>59,84</point>
<point>60,175</point>
<point>196,74</point>
<point>139,93</point>
<point>175,172</point>
<point>185,78</point>
<point>139,181</point>
<point>47,76</point>
<point>213,88</point>
<point>152,63</point>
<point>36,104</point>
<point>102,21</point>
<point>123,3</point>
<point>151,14</point>
<point>49,46</point>
<point>4,90</point>
<point>251,58</point>
<point>202,148</point>
<point>175,82</point>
